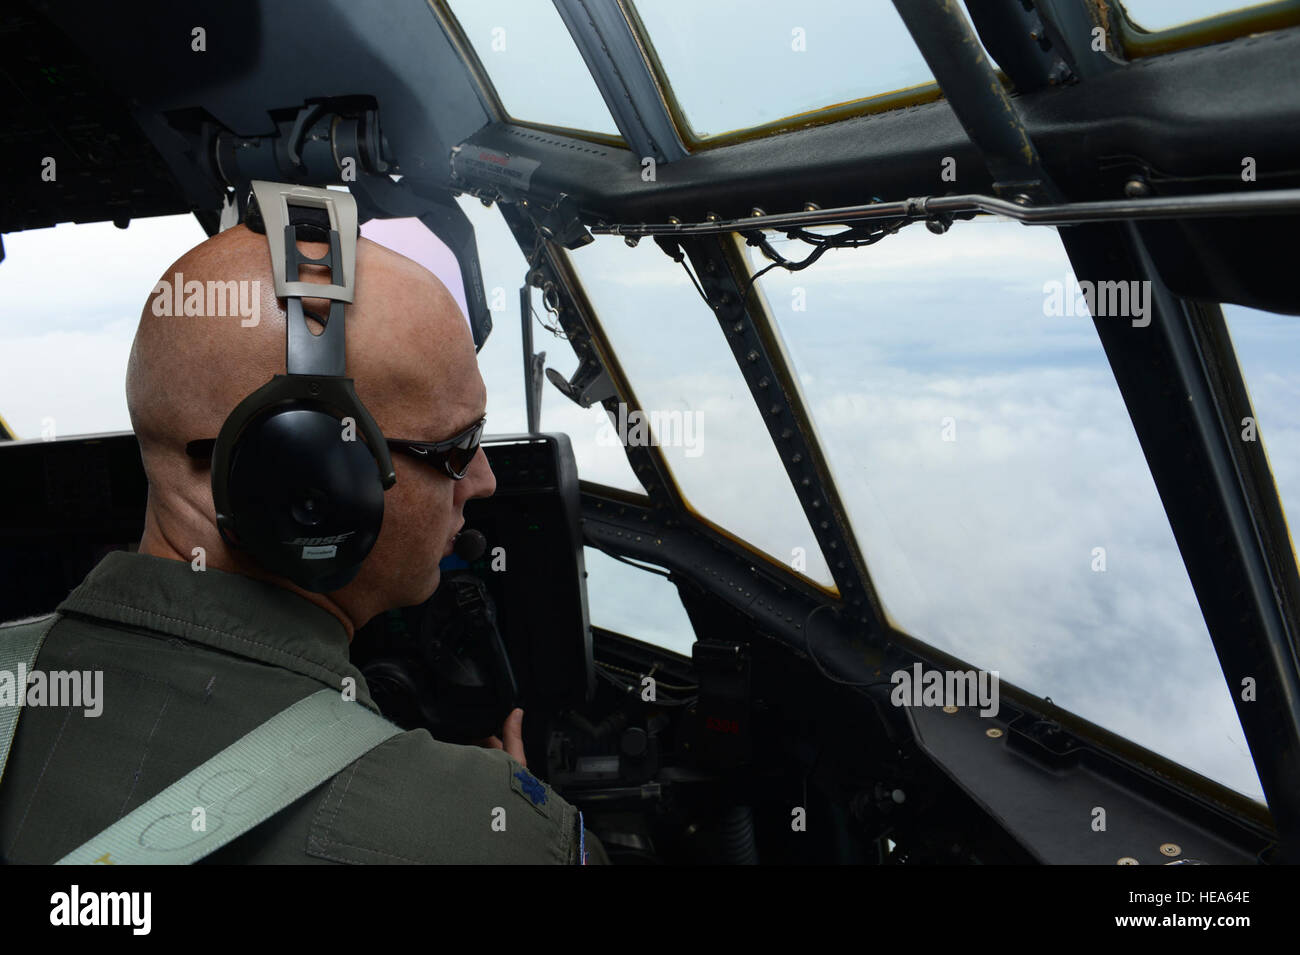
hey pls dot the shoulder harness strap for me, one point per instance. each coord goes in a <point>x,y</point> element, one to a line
<point>18,657</point>
<point>245,784</point>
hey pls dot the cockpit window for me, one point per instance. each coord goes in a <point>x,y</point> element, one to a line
<point>638,603</point>
<point>1268,350</point>
<point>735,64</point>
<point>532,61</point>
<point>501,361</point>
<point>1154,15</point>
<point>995,484</point>
<point>70,300</point>
<point>694,402</point>
<point>600,461</point>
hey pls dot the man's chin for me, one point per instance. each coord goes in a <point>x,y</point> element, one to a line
<point>434,580</point>
<point>418,590</point>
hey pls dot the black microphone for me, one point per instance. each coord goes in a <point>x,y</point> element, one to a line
<point>469,545</point>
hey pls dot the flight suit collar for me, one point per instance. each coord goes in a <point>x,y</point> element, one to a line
<point>236,614</point>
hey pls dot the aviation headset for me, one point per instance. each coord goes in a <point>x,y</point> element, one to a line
<point>293,484</point>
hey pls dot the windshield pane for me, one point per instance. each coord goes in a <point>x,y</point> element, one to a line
<point>532,61</point>
<point>733,64</point>
<point>501,360</point>
<point>602,462</point>
<point>995,484</point>
<point>699,408</point>
<point>1153,15</point>
<point>636,603</point>
<point>1268,350</point>
<point>62,352</point>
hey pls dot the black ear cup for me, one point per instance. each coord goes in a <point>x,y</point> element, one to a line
<point>293,487</point>
<point>303,496</point>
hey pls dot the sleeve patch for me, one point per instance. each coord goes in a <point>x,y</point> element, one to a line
<point>529,787</point>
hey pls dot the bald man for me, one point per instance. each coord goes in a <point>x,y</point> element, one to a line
<point>195,654</point>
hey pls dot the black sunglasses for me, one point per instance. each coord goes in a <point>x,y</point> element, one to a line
<point>452,456</point>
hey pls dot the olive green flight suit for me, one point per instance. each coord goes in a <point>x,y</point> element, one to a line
<point>192,661</point>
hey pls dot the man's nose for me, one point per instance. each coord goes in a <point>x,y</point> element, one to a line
<point>479,480</point>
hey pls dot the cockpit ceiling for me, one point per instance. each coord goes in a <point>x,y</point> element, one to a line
<point>434,91</point>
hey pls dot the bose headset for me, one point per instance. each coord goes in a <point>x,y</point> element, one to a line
<point>292,484</point>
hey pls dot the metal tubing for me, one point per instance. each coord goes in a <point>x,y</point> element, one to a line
<point>1268,202</point>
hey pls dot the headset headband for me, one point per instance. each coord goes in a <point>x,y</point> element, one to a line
<point>294,418</point>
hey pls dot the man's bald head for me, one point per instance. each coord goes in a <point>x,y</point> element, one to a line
<point>409,351</point>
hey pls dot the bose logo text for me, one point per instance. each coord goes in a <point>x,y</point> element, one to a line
<point>314,541</point>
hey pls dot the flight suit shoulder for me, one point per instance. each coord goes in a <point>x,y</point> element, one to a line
<point>414,799</point>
